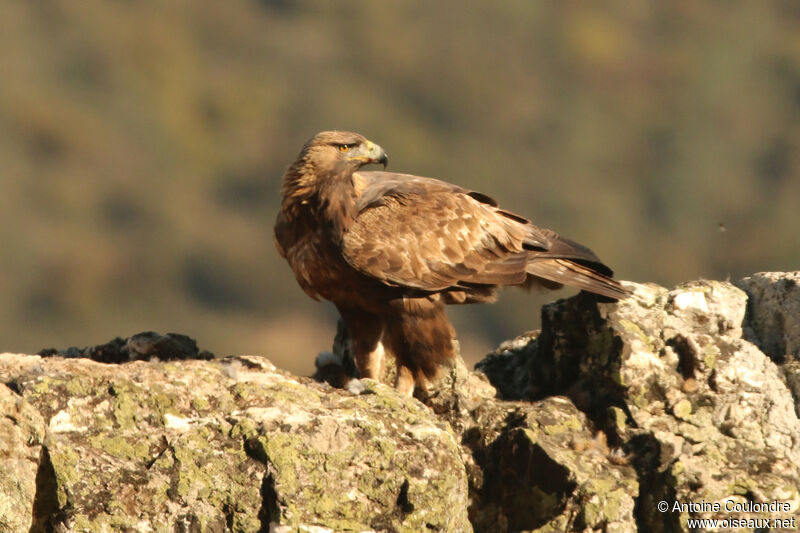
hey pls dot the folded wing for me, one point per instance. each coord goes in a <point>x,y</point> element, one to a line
<point>429,235</point>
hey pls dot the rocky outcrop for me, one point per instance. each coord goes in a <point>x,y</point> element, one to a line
<point>773,317</point>
<point>672,404</point>
<point>680,395</point>
<point>700,413</point>
<point>773,321</point>
<point>143,346</point>
<point>231,444</point>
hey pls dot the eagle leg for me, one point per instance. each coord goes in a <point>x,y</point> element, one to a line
<point>405,380</point>
<point>420,337</point>
<point>365,331</point>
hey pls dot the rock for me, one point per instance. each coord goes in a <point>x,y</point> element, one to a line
<point>507,366</point>
<point>773,313</point>
<point>541,467</point>
<point>140,347</point>
<point>773,321</point>
<point>701,413</point>
<point>531,466</point>
<point>22,432</point>
<point>590,425</point>
<point>230,444</point>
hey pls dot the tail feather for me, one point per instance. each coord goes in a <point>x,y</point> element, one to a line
<point>577,275</point>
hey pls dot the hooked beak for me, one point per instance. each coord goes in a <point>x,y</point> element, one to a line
<point>369,152</point>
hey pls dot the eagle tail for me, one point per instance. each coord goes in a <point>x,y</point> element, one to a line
<point>567,272</point>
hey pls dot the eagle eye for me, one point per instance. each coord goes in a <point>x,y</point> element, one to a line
<point>346,147</point>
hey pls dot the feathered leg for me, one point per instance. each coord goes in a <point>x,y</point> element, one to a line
<point>421,338</point>
<point>365,331</point>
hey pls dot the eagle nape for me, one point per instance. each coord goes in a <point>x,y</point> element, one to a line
<point>392,250</point>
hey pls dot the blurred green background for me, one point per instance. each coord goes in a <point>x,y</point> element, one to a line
<point>142,146</point>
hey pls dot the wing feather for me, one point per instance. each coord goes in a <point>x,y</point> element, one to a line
<point>574,274</point>
<point>430,235</point>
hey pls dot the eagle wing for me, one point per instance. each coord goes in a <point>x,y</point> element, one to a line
<point>430,235</point>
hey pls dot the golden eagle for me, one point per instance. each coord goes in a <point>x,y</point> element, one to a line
<point>391,250</point>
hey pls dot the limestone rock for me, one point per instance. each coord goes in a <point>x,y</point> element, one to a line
<point>589,425</point>
<point>507,366</point>
<point>773,321</point>
<point>702,414</point>
<point>773,317</point>
<point>21,434</point>
<point>230,445</point>
<point>531,465</point>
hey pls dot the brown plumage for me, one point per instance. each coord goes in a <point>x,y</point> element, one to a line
<point>391,250</point>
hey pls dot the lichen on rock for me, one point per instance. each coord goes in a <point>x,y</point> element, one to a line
<point>130,449</point>
<point>700,412</point>
<point>682,395</point>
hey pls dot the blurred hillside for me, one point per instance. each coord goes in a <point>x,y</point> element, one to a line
<point>142,146</point>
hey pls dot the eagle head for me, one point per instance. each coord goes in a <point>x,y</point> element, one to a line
<point>335,149</point>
